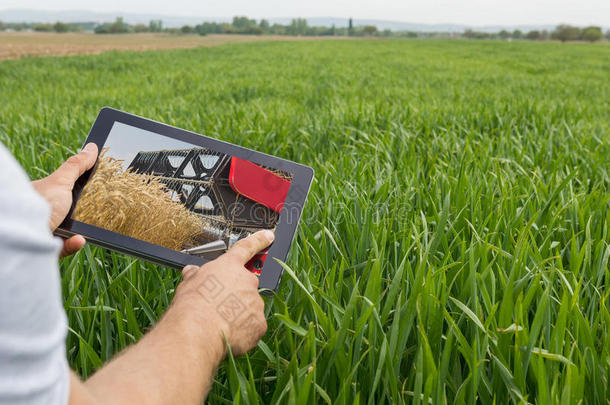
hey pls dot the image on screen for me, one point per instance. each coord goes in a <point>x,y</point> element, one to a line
<point>177,195</point>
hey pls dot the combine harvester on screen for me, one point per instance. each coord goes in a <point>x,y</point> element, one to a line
<point>233,196</point>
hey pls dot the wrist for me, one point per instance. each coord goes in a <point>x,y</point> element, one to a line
<point>199,326</point>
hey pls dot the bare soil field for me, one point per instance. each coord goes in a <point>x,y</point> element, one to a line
<point>15,45</point>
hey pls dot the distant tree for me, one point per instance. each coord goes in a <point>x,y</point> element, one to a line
<point>187,29</point>
<point>544,35</point>
<point>155,26</point>
<point>226,28</point>
<point>255,29</point>
<point>607,34</point>
<point>302,26</point>
<point>517,34</point>
<point>141,28</point>
<point>322,31</point>
<point>117,27</point>
<point>61,27</point>
<point>208,28</point>
<point>264,24</point>
<point>243,23</point>
<point>278,29</point>
<point>341,31</point>
<point>350,27</point>
<point>565,32</point>
<point>298,26</point>
<point>504,34</point>
<point>43,27</point>
<point>410,34</point>
<point>476,34</point>
<point>387,32</point>
<point>591,33</point>
<point>533,35</point>
<point>369,30</point>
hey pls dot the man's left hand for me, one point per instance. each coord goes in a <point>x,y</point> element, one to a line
<point>56,188</point>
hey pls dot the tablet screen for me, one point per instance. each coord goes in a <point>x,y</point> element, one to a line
<point>178,195</point>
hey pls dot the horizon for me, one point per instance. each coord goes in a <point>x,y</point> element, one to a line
<point>465,19</point>
<point>329,17</point>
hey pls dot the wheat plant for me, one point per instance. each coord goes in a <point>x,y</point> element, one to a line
<point>456,240</point>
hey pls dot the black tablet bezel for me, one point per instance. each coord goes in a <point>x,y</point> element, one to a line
<point>289,217</point>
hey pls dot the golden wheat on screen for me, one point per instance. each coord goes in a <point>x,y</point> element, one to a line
<point>135,205</point>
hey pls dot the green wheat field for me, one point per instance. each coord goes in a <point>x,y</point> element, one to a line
<point>455,245</point>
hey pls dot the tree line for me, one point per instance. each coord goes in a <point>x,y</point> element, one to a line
<point>562,32</point>
<point>300,27</point>
<point>245,26</point>
<point>48,27</point>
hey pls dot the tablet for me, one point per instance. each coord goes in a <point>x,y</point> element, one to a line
<point>174,197</point>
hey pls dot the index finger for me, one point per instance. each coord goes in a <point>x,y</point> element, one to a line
<point>245,249</point>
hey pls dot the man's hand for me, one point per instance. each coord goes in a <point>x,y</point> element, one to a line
<point>57,190</point>
<point>224,293</point>
<point>175,362</point>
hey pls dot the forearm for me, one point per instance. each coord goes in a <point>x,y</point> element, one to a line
<point>176,361</point>
<point>169,365</point>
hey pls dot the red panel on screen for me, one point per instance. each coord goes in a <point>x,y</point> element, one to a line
<point>258,184</point>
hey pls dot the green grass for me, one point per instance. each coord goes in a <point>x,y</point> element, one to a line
<point>455,246</point>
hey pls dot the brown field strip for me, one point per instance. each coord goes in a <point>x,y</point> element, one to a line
<point>15,45</point>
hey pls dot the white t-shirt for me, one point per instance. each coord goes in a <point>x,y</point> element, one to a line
<point>33,326</point>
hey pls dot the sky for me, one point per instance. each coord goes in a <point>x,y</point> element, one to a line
<point>124,142</point>
<point>470,12</point>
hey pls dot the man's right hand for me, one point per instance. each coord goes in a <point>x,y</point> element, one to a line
<point>214,302</point>
<point>223,295</point>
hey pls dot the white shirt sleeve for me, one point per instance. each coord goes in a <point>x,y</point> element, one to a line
<point>33,326</point>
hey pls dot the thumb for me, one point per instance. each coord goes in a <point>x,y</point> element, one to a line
<point>76,165</point>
